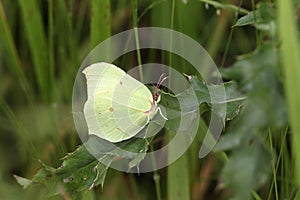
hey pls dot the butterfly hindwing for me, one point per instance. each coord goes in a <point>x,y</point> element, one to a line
<point>116,105</point>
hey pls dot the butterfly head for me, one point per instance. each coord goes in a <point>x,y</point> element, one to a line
<point>156,96</point>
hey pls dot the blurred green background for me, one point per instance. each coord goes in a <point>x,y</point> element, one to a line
<point>42,44</point>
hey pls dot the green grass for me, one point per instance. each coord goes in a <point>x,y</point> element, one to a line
<point>41,50</point>
<point>100,21</point>
<point>290,52</point>
<point>36,38</point>
<point>13,58</point>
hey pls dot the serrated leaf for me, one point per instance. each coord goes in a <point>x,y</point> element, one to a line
<point>87,166</point>
<point>257,76</point>
<point>233,99</point>
<point>101,170</point>
<point>229,141</point>
<point>263,18</point>
<point>247,169</point>
<point>251,18</point>
<point>24,182</point>
<point>249,163</point>
<point>245,71</point>
<point>264,14</point>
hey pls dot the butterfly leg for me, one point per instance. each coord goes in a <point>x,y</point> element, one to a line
<point>162,114</point>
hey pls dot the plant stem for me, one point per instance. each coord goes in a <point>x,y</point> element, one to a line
<point>171,40</point>
<point>51,44</point>
<point>254,16</point>
<point>226,6</point>
<point>156,176</point>
<point>136,34</point>
<point>290,60</point>
<point>230,38</point>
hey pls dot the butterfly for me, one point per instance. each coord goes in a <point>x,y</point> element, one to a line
<point>118,106</point>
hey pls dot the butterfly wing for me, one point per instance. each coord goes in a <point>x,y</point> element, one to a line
<point>116,105</point>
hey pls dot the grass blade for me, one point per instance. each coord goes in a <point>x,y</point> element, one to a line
<point>135,26</point>
<point>291,66</point>
<point>178,179</point>
<point>12,57</point>
<point>100,21</point>
<point>37,42</point>
<point>51,42</point>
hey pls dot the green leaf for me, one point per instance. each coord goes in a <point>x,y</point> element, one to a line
<point>248,19</point>
<point>35,34</point>
<point>245,70</point>
<point>256,75</point>
<point>263,18</point>
<point>174,108</point>
<point>178,179</point>
<point>247,169</point>
<point>249,163</point>
<point>23,181</point>
<point>289,52</point>
<point>234,98</point>
<point>87,166</point>
<point>15,65</point>
<point>100,21</point>
<point>263,15</point>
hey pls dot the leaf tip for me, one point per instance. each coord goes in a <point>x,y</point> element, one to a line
<point>24,182</point>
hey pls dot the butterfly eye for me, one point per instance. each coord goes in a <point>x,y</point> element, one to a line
<point>156,96</point>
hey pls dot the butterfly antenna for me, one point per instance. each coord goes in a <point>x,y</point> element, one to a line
<point>161,79</point>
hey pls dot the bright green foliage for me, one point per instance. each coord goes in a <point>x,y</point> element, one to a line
<point>290,51</point>
<point>38,46</point>
<point>178,187</point>
<point>100,21</point>
<point>81,165</point>
<point>249,164</point>
<point>80,170</point>
<point>256,43</point>
<point>263,18</point>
